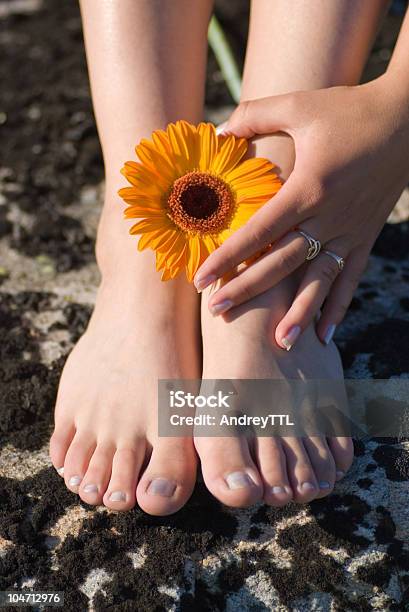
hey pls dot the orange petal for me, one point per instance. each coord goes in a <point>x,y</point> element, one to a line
<point>193,261</point>
<point>208,145</point>
<point>231,151</point>
<point>151,225</point>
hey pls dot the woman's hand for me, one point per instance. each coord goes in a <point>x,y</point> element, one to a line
<point>352,164</point>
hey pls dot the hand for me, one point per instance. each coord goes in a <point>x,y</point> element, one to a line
<point>352,151</point>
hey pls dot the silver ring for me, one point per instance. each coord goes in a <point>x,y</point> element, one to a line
<point>314,246</point>
<point>340,260</point>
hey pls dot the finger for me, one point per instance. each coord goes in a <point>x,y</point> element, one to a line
<point>265,116</point>
<point>315,286</point>
<point>341,293</point>
<point>268,224</point>
<point>285,257</point>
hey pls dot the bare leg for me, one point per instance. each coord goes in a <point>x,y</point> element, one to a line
<point>147,67</point>
<point>310,44</point>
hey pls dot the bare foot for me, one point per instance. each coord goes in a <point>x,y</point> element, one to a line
<point>105,436</point>
<point>241,345</point>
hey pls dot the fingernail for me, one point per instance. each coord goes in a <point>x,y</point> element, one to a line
<point>221,129</point>
<point>329,333</point>
<point>278,490</point>
<point>201,282</point>
<point>238,480</point>
<point>339,474</point>
<point>60,471</point>
<point>90,488</point>
<point>307,486</point>
<point>221,307</point>
<point>289,340</point>
<point>162,487</point>
<point>323,484</point>
<point>74,481</point>
<point>117,496</point>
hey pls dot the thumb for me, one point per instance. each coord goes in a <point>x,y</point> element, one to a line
<point>263,116</point>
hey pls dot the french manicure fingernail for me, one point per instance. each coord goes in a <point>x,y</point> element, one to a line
<point>329,333</point>
<point>307,486</point>
<point>238,480</point>
<point>339,474</point>
<point>90,488</point>
<point>74,481</point>
<point>60,471</point>
<point>221,307</point>
<point>220,129</point>
<point>162,487</point>
<point>117,496</point>
<point>289,340</point>
<point>323,484</point>
<point>278,490</point>
<point>201,282</point>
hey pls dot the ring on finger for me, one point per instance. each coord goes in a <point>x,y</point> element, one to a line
<point>314,245</point>
<point>340,260</point>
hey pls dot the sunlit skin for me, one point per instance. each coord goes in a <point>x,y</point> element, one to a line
<point>147,69</point>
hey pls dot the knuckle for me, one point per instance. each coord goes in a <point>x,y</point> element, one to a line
<point>246,292</point>
<point>261,234</point>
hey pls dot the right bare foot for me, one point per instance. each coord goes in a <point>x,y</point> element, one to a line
<point>105,436</point>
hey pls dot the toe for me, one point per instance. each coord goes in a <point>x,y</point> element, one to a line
<point>59,444</point>
<point>229,470</point>
<point>169,478</point>
<point>300,471</point>
<point>322,462</point>
<point>272,465</point>
<point>126,465</point>
<point>77,459</point>
<point>343,452</point>
<point>96,479</point>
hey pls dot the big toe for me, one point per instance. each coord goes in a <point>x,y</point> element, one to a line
<point>229,471</point>
<point>169,478</point>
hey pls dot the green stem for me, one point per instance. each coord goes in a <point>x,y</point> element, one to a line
<point>225,58</point>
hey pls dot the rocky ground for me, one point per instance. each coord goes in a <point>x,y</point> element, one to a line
<point>347,552</point>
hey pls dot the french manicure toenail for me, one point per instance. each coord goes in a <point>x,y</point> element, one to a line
<point>201,282</point>
<point>74,481</point>
<point>218,309</point>
<point>339,474</point>
<point>324,484</point>
<point>162,487</point>
<point>90,488</point>
<point>117,496</point>
<point>60,471</point>
<point>238,480</point>
<point>289,340</point>
<point>277,490</point>
<point>307,486</point>
<point>329,334</point>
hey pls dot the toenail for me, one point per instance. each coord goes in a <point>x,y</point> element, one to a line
<point>60,471</point>
<point>221,307</point>
<point>162,487</point>
<point>324,484</point>
<point>339,474</point>
<point>117,496</point>
<point>90,488</point>
<point>289,340</point>
<point>329,333</point>
<point>238,480</point>
<point>307,486</point>
<point>278,490</point>
<point>74,481</point>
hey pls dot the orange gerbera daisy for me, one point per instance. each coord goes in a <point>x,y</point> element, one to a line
<point>192,190</point>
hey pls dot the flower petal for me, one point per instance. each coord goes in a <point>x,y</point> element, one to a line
<point>208,145</point>
<point>231,151</point>
<point>193,258</point>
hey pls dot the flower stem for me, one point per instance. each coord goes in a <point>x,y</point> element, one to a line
<point>225,58</point>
